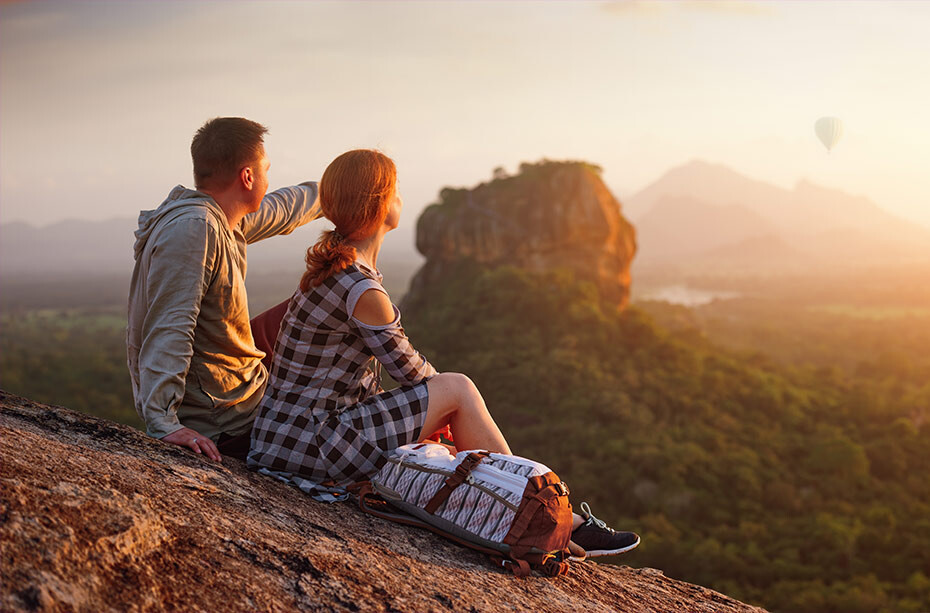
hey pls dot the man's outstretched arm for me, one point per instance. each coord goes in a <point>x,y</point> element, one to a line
<point>282,211</point>
<point>180,271</point>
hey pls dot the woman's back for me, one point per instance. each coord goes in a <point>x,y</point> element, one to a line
<point>319,356</point>
<point>321,379</point>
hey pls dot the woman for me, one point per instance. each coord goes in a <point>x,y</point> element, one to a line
<point>324,421</point>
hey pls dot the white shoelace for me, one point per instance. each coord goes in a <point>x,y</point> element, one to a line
<point>598,522</point>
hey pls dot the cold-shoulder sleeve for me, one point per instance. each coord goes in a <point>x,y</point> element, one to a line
<point>388,343</point>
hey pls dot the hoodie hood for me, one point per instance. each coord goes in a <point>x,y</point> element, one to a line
<point>180,200</point>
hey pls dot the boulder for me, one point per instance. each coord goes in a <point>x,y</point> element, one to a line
<point>553,215</point>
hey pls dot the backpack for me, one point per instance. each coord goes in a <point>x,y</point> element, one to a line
<point>514,509</point>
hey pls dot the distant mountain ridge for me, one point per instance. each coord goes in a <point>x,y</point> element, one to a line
<point>708,225</point>
<point>695,217</point>
<point>83,247</point>
<point>695,213</point>
<point>68,246</point>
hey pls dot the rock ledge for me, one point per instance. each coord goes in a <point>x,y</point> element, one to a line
<point>95,516</point>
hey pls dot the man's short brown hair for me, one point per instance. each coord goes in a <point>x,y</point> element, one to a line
<point>221,147</point>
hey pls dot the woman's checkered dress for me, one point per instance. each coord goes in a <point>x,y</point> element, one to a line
<point>324,417</point>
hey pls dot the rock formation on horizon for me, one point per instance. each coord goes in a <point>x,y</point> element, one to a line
<point>96,516</point>
<point>552,215</point>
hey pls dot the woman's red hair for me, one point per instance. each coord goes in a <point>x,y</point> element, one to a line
<point>355,194</point>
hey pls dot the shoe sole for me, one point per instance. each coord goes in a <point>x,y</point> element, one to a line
<point>605,552</point>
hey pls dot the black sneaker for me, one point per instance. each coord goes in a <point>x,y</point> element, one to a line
<point>597,539</point>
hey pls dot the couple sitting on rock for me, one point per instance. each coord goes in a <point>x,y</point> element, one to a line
<point>319,418</point>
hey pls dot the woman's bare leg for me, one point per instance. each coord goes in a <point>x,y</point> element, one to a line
<point>454,400</point>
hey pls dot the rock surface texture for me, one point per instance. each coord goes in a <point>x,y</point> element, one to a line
<point>553,215</point>
<point>97,516</point>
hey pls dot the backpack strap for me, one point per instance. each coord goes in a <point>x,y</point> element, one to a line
<point>554,568</point>
<point>520,568</point>
<point>372,503</point>
<point>546,563</point>
<point>455,479</point>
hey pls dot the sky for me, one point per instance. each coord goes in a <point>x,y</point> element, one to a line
<point>99,100</point>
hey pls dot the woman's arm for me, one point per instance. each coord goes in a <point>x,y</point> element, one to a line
<point>378,324</point>
<point>375,309</point>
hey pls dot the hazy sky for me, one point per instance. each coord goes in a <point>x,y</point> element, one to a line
<point>98,101</point>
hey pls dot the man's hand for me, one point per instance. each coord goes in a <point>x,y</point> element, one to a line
<point>185,437</point>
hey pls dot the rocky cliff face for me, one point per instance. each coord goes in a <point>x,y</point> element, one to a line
<point>96,516</point>
<point>553,215</point>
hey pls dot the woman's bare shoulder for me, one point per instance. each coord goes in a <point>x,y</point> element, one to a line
<point>374,308</point>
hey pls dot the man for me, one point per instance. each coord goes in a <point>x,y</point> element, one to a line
<point>197,375</point>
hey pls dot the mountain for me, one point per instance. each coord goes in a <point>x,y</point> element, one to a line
<point>100,517</point>
<point>683,220</point>
<point>679,226</point>
<point>85,247</point>
<point>70,246</point>
<point>713,183</point>
<point>765,254</point>
<point>773,484</point>
<point>88,263</point>
<point>700,207</point>
<point>552,215</point>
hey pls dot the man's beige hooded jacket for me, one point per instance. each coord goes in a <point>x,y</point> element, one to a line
<point>191,354</point>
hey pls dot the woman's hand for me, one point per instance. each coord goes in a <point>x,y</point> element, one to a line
<point>185,437</point>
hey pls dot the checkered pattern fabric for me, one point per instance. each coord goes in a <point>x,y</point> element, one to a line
<point>324,417</point>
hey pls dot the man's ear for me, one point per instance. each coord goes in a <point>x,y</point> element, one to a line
<point>246,177</point>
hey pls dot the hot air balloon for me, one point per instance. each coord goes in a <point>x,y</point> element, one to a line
<point>829,130</point>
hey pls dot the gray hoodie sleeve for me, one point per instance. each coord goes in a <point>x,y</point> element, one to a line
<point>282,211</point>
<point>181,269</point>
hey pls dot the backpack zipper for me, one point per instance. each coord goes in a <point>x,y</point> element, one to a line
<point>495,476</point>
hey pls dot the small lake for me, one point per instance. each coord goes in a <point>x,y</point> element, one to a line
<point>685,295</point>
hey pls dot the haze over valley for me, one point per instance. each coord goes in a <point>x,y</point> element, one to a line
<point>698,222</point>
<point>690,239</point>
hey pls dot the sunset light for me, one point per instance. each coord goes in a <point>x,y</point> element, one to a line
<point>416,305</point>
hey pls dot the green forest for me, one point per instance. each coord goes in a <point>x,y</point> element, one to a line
<point>776,452</point>
<point>69,357</point>
<point>799,488</point>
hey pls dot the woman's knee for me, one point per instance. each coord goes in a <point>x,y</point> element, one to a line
<point>459,385</point>
<point>454,388</point>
